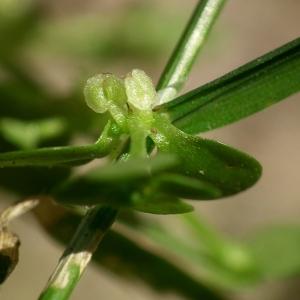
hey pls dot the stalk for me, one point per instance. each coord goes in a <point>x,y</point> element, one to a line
<point>53,156</point>
<point>181,61</point>
<point>77,255</point>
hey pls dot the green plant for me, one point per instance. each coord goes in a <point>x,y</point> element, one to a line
<point>140,119</point>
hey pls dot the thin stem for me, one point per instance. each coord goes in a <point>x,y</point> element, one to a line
<point>189,45</point>
<point>77,255</point>
<point>51,156</point>
<point>139,125</point>
<point>205,233</point>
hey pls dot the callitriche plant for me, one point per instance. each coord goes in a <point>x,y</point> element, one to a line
<point>154,160</point>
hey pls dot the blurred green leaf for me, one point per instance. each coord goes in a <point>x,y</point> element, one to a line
<point>217,259</point>
<point>28,135</point>
<point>228,170</point>
<point>120,184</point>
<point>276,250</point>
<point>245,91</point>
<point>159,204</point>
<point>132,169</point>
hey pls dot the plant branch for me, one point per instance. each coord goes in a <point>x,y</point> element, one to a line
<point>189,45</point>
<point>77,255</point>
<point>53,156</point>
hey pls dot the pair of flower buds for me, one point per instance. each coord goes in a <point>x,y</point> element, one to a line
<point>107,92</point>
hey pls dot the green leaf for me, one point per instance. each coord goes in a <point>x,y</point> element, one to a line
<point>227,169</point>
<point>112,184</point>
<point>245,91</point>
<point>50,156</point>
<point>276,250</point>
<point>132,169</point>
<point>28,135</point>
<point>159,204</point>
<point>61,156</point>
<point>185,187</point>
<point>124,184</point>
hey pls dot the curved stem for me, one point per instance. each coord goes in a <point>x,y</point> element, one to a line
<point>189,45</point>
<point>77,255</point>
<point>53,156</point>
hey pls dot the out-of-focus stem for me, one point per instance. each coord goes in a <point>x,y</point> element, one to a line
<point>77,255</point>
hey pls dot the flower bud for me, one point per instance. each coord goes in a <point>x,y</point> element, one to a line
<point>101,89</point>
<point>140,90</point>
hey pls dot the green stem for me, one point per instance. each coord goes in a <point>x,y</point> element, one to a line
<point>177,69</point>
<point>229,254</point>
<point>51,156</point>
<point>139,124</point>
<point>209,237</point>
<point>77,255</point>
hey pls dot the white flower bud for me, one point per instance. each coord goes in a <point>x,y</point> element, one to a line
<point>140,90</point>
<point>101,89</point>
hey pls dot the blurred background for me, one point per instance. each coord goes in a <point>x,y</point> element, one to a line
<point>53,46</point>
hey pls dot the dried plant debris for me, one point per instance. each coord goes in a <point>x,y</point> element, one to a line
<point>9,241</point>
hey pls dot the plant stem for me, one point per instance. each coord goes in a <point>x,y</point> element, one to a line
<point>178,67</point>
<point>139,125</point>
<point>77,255</point>
<point>51,156</point>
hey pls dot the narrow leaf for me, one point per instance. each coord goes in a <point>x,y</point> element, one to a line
<point>50,156</point>
<point>241,93</point>
<point>60,156</point>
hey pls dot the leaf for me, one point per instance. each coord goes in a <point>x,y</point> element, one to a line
<point>124,184</point>
<point>61,156</point>
<point>276,250</point>
<point>112,184</point>
<point>185,187</point>
<point>245,91</point>
<point>28,135</point>
<point>132,169</point>
<point>227,169</point>
<point>50,156</point>
<point>159,204</point>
